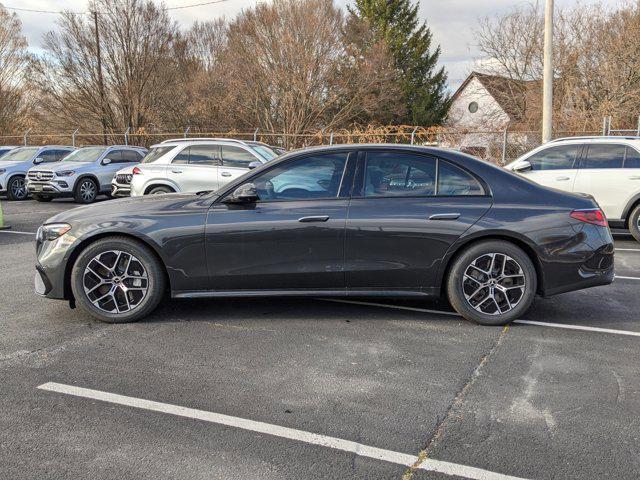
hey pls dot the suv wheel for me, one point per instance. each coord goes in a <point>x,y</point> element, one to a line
<point>86,191</point>
<point>634,223</point>
<point>159,190</point>
<point>17,189</point>
<point>117,279</point>
<point>39,198</point>
<point>492,283</point>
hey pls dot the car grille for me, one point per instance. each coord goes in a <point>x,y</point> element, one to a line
<point>124,178</point>
<point>40,176</point>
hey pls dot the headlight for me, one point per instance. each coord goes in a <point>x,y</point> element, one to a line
<point>52,231</point>
<point>65,173</point>
<point>2,170</point>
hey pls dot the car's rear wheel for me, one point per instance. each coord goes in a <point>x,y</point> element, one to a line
<point>492,283</point>
<point>159,190</point>
<point>118,279</point>
<point>634,223</point>
<point>40,198</point>
<point>86,191</point>
<point>17,188</point>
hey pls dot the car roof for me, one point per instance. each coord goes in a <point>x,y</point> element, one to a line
<point>197,141</point>
<point>596,139</point>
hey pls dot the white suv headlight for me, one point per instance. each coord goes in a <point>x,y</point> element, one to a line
<point>65,173</point>
<point>2,170</point>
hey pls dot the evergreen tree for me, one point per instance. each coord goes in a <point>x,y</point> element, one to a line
<point>424,86</point>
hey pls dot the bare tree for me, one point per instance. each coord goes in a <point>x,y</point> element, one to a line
<point>15,99</point>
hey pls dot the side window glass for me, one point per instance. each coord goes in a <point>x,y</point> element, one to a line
<point>453,180</point>
<point>48,156</point>
<point>129,156</point>
<point>393,174</point>
<point>182,158</point>
<point>604,156</point>
<point>632,159</point>
<point>554,158</point>
<point>204,155</point>
<point>236,157</point>
<point>308,178</point>
<point>115,156</point>
<point>60,154</point>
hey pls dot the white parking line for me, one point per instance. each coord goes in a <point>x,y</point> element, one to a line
<point>627,278</point>
<point>627,249</point>
<point>17,232</point>
<point>524,322</point>
<point>404,459</point>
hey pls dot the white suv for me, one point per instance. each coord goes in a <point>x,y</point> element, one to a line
<point>192,165</point>
<point>606,167</point>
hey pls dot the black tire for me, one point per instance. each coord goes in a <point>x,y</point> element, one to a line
<point>507,305</point>
<point>634,223</point>
<point>39,198</point>
<point>159,190</point>
<point>17,188</point>
<point>85,191</point>
<point>105,247</point>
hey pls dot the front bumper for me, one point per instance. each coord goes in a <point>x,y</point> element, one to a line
<point>119,190</point>
<point>51,188</point>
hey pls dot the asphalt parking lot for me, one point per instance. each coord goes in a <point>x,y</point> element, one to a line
<point>316,388</point>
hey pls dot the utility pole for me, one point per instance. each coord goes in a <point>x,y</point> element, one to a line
<point>547,81</point>
<point>100,80</point>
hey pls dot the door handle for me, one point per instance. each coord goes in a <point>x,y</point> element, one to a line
<point>225,174</point>
<point>563,179</point>
<point>176,171</point>
<point>319,218</point>
<point>445,216</point>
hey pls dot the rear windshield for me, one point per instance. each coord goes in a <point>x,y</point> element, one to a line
<point>20,154</point>
<point>155,153</point>
<point>87,154</point>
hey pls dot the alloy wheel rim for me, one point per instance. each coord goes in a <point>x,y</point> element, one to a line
<point>19,188</point>
<point>115,281</point>
<point>87,190</point>
<point>494,284</point>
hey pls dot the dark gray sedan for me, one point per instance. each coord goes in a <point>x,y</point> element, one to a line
<point>351,220</point>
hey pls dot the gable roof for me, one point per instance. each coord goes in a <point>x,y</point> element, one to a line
<point>510,94</point>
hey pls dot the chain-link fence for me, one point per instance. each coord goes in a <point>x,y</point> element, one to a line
<point>499,147</point>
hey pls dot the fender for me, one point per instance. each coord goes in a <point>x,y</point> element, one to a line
<point>161,182</point>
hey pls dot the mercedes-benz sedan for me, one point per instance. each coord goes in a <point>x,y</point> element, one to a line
<point>351,220</point>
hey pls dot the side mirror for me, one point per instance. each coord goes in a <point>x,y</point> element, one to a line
<point>245,193</point>
<point>106,161</point>
<point>522,166</point>
<point>253,165</point>
<point>38,160</point>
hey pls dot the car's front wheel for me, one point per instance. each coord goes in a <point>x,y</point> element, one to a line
<point>17,188</point>
<point>492,283</point>
<point>118,279</point>
<point>86,191</point>
<point>634,223</point>
<point>160,190</point>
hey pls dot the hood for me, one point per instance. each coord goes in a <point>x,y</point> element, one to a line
<point>132,207</point>
<point>14,164</point>
<point>62,166</point>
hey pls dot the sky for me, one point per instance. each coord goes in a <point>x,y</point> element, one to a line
<point>451,21</point>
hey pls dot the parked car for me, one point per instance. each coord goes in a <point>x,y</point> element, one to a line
<point>83,174</point>
<point>192,165</point>
<point>348,220</point>
<point>606,167</point>
<point>4,149</point>
<point>15,164</point>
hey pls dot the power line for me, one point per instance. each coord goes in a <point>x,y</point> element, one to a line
<point>58,12</point>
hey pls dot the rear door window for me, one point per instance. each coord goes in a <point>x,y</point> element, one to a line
<point>560,157</point>
<point>236,157</point>
<point>204,155</point>
<point>632,158</point>
<point>399,174</point>
<point>603,156</point>
<point>454,181</point>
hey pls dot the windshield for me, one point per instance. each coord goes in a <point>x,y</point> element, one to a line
<point>87,154</point>
<point>155,153</point>
<point>20,154</point>
<point>265,152</point>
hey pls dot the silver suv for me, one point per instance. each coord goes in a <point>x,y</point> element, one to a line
<point>83,175</point>
<point>192,165</point>
<point>15,164</point>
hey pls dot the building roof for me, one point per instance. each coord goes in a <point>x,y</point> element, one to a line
<point>509,93</point>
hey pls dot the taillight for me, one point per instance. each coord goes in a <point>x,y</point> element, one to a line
<point>137,171</point>
<point>594,216</point>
